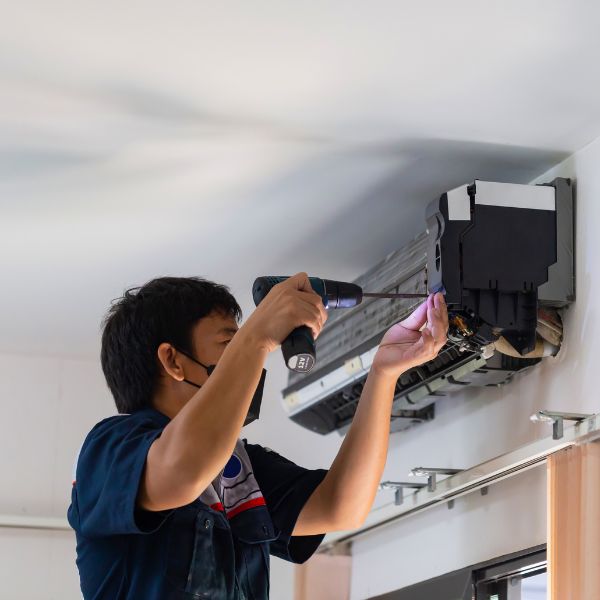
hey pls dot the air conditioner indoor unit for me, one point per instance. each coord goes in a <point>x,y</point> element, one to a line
<point>504,255</point>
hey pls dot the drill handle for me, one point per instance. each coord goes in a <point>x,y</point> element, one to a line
<point>298,349</point>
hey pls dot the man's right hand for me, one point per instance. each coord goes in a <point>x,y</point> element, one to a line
<point>290,304</point>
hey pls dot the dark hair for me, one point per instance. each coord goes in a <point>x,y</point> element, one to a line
<point>162,310</point>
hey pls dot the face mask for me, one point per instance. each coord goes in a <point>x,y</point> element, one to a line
<point>254,410</point>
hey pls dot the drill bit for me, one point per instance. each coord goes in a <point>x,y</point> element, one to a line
<point>393,296</point>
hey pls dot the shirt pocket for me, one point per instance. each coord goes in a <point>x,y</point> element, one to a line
<point>192,568</point>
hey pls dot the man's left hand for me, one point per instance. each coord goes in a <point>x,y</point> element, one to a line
<point>408,343</point>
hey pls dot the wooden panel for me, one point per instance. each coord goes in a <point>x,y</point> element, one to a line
<point>574,523</point>
<point>323,577</point>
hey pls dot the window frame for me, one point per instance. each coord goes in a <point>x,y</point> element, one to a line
<point>495,579</point>
<point>462,584</point>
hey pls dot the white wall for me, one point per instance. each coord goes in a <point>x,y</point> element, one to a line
<point>484,423</point>
<point>48,405</point>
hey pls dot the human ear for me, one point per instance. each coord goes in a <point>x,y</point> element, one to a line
<point>170,362</point>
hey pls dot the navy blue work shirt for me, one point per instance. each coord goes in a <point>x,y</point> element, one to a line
<point>191,552</point>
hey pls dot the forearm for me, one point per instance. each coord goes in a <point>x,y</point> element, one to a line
<point>346,495</point>
<point>354,476</point>
<point>209,425</point>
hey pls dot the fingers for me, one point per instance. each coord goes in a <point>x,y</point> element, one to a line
<point>313,304</point>
<point>430,345</point>
<point>314,300</point>
<point>433,337</point>
<point>426,342</point>
<point>302,305</point>
<point>437,318</point>
<point>299,281</point>
<point>440,303</point>
<point>424,350</point>
<point>417,319</point>
<point>425,311</point>
<point>306,308</point>
<point>314,311</point>
<point>307,315</point>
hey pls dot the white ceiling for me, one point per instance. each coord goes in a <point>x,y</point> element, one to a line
<point>237,138</point>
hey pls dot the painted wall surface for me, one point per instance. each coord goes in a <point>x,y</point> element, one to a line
<point>480,424</point>
<point>50,403</point>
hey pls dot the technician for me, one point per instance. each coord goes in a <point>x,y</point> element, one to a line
<point>168,502</point>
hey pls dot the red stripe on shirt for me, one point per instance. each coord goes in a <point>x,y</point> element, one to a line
<point>245,506</point>
<point>217,506</point>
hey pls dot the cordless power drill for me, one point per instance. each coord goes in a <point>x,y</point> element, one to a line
<point>299,347</point>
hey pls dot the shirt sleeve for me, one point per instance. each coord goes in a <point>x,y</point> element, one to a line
<point>108,476</point>
<point>286,487</point>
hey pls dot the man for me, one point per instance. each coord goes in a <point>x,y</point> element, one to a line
<point>168,502</point>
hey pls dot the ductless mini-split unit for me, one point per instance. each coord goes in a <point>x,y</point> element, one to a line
<point>504,256</point>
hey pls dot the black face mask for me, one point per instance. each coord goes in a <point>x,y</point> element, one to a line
<point>254,410</point>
